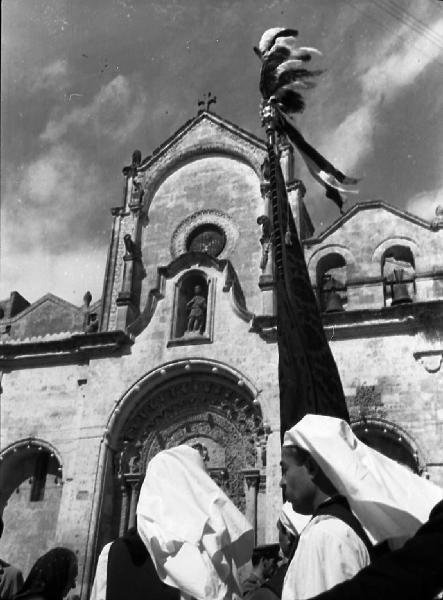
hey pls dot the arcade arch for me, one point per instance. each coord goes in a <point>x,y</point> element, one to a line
<point>31,480</point>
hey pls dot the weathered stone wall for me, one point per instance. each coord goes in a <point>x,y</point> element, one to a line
<point>362,240</point>
<point>384,381</point>
<point>30,527</point>
<point>210,183</point>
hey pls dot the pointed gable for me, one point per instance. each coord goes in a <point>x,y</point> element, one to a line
<point>206,134</point>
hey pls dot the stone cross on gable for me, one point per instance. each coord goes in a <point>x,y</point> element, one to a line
<point>205,104</point>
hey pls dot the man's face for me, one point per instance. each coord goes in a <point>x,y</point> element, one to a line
<point>268,567</point>
<point>296,482</point>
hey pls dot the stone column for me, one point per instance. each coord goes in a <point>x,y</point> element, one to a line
<point>124,509</point>
<point>252,478</point>
<point>135,488</point>
<point>261,517</point>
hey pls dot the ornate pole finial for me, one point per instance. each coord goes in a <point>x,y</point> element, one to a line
<point>268,118</point>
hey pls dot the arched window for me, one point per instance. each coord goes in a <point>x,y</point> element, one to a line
<point>398,272</point>
<point>191,310</point>
<point>331,283</point>
<point>389,442</point>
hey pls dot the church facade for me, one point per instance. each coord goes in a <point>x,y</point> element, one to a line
<point>181,348</point>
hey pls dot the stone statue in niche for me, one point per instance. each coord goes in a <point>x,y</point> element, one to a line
<point>196,308</point>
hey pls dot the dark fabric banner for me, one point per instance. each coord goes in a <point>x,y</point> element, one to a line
<point>308,376</point>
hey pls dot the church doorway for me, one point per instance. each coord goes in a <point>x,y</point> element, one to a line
<point>194,405</point>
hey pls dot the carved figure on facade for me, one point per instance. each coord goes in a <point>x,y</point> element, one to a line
<point>196,308</point>
<point>131,248</point>
<point>265,240</point>
<point>137,192</point>
<point>87,298</point>
<point>90,319</point>
<point>92,323</point>
<point>202,449</point>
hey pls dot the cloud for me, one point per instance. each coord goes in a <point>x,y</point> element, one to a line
<point>52,77</point>
<point>59,178</point>
<point>60,241</point>
<point>385,73</point>
<point>67,275</point>
<point>55,201</point>
<point>425,203</point>
<point>115,113</point>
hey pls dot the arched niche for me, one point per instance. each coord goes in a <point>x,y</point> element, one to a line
<point>390,440</point>
<point>31,480</point>
<point>397,264</point>
<point>331,282</point>
<point>193,402</point>
<point>191,317</point>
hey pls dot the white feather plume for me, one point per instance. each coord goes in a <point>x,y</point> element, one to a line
<point>267,38</point>
<point>289,65</point>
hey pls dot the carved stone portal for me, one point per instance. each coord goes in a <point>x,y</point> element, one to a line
<point>192,409</point>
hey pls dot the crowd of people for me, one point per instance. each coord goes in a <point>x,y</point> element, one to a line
<point>355,525</point>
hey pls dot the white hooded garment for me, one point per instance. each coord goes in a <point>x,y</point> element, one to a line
<point>195,535</point>
<point>292,521</point>
<point>389,500</point>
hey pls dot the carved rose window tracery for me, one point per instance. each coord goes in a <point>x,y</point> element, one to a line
<point>207,238</point>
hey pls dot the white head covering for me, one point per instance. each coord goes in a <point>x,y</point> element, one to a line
<point>389,500</point>
<point>293,521</point>
<point>195,535</point>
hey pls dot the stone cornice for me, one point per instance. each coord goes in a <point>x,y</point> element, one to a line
<point>366,323</point>
<point>69,348</point>
<point>392,320</point>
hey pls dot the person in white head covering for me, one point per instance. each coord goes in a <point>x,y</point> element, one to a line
<point>321,457</point>
<point>333,546</point>
<point>195,535</point>
<point>389,499</point>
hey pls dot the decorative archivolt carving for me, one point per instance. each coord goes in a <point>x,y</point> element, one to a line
<point>195,409</point>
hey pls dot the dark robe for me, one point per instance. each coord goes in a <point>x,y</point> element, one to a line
<point>414,572</point>
<point>132,574</point>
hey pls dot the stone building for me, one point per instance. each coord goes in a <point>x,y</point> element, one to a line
<point>181,348</point>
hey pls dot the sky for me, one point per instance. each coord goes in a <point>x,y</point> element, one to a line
<point>84,83</point>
